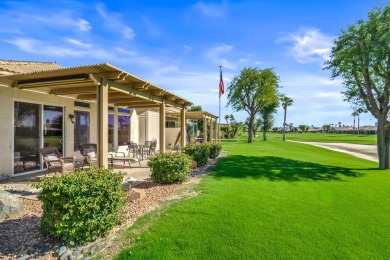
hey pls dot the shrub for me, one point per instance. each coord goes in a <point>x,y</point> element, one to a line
<point>214,150</point>
<point>82,205</point>
<point>170,167</point>
<point>199,153</point>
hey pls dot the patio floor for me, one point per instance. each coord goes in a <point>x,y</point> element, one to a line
<point>20,184</point>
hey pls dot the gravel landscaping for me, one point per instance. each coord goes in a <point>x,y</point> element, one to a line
<point>20,238</point>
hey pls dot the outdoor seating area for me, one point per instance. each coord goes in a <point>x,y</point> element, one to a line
<point>55,162</point>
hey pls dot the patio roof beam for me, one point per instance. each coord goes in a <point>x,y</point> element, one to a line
<point>75,90</point>
<point>137,93</point>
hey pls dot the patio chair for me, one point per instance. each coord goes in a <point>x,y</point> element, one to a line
<point>55,162</point>
<point>89,153</point>
<point>150,147</point>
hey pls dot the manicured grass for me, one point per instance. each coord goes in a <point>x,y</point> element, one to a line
<point>275,200</point>
<point>324,137</point>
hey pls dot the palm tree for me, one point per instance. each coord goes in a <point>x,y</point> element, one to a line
<point>286,102</point>
<point>354,114</point>
<point>227,119</point>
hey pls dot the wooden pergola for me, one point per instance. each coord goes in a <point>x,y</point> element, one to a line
<point>206,116</point>
<point>106,85</point>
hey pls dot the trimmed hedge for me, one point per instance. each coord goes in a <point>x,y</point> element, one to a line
<point>214,150</point>
<point>170,167</point>
<point>199,153</point>
<point>81,206</point>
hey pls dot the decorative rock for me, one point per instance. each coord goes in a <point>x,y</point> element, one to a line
<point>76,253</point>
<point>137,194</point>
<point>79,257</point>
<point>62,250</point>
<point>25,257</point>
<point>65,255</point>
<point>10,205</point>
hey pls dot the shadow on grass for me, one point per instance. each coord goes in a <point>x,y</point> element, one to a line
<point>280,169</point>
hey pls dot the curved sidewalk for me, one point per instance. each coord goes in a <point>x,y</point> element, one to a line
<point>364,151</point>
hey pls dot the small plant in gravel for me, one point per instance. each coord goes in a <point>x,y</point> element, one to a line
<point>170,167</point>
<point>81,206</point>
<point>199,153</point>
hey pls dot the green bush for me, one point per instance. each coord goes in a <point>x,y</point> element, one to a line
<point>170,167</point>
<point>214,150</point>
<point>81,206</point>
<point>199,153</point>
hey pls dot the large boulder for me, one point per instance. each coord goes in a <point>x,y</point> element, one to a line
<point>10,205</point>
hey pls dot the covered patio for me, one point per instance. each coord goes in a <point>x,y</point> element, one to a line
<point>101,85</point>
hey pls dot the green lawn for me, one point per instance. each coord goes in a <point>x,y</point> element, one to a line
<point>275,200</point>
<point>324,137</point>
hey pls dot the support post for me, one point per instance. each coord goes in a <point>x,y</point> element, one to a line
<point>211,130</point>
<point>204,129</point>
<point>115,129</point>
<point>216,130</point>
<point>102,100</point>
<point>183,128</point>
<point>162,127</point>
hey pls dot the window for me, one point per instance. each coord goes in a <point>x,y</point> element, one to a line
<point>124,110</point>
<point>111,129</point>
<point>170,124</point>
<point>123,129</point>
<point>81,128</point>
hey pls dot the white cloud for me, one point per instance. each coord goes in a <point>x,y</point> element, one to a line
<point>308,45</point>
<point>64,19</point>
<point>114,22</point>
<point>209,9</point>
<point>187,48</point>
<point>216,54</point>
<point>78,43</point>
<point>55,50</point>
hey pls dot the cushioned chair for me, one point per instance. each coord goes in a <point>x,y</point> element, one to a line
<point>89,153</point>
<point>55,162</point>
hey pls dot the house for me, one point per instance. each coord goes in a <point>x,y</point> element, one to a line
<point>44,104</point>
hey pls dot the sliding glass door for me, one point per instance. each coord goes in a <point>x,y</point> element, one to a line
<point>52,127</point>
<point>35,126</point>
<point>26,137</point>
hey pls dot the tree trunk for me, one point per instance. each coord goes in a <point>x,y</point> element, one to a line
<point>264,135</point>
<point>250,128</point>
<point>354,120</point>
<point>383,142</point>
<point>254,133</point>
<point>358,124</point>
<point>284,124</point>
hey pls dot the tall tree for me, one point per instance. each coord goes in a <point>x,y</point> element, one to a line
<point>286,102</point>
<point>267,116</point>
<point>267,122</point>
<point>361,57</point>
<point>253,90</point>
<point>227,117</point>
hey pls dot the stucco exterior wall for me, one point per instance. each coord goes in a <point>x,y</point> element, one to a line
<point>7,98</point>
<point>170,136</point>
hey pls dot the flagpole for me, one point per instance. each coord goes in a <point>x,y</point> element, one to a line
<point>219,126</point>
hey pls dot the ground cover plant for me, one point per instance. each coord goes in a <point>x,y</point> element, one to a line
<point>275,200</point>
<point>328,138</point>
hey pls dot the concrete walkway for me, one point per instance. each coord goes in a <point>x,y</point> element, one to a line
<point>364,151</point>
<point>20,184</point>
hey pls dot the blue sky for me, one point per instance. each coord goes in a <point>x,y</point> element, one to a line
<point>179,45</point>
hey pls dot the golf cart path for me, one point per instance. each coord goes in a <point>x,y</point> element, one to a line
<point>365,151</point>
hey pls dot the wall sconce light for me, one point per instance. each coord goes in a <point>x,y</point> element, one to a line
<point>71,117</point>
